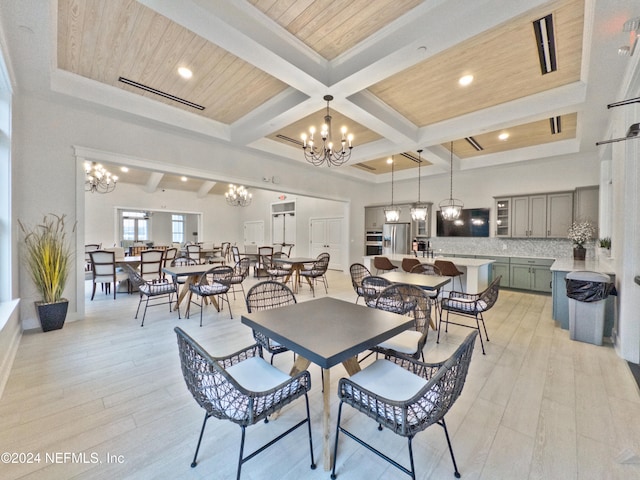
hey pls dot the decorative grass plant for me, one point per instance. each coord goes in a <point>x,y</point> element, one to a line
<point>47,256</point>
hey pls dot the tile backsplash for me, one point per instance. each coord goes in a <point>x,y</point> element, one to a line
<point>508,247</point>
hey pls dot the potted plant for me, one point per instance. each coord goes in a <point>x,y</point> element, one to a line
<point>47,255</point>
<point>579,234</point>
<point>604,247</point>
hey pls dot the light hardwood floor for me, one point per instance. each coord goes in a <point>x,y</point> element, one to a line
<point>536,406</point>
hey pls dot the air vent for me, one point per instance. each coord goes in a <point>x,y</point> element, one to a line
<point>634,130</point>
<point>545,41</point>
<point>166,95</point>
<point>474,144</point>
<point>556,125</point>
<point>365,167</point>
<point>411,157</point>
<point>289,139</point>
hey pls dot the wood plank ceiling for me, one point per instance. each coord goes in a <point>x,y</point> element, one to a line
<point>104,40</point>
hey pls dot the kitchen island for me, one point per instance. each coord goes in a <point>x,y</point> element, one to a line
<point>476,270</point>
<point>560,268</point>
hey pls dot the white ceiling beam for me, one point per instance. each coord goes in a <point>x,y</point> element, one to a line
<point>205,188</point>
<point>154,180</point>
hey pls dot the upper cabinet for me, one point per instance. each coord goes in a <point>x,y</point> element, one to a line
<point>587,205</point>
<point>546,215</point>
<point>373,218</point>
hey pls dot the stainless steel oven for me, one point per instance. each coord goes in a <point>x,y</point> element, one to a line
<point>373,242</point>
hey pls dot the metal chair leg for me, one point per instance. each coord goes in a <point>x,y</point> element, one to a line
<point>453,458</point>
<point>195,456</point>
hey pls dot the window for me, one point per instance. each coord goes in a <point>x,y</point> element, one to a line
<point>177,228</point>
<point>135,226</point>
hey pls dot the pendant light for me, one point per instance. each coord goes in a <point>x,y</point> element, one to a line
<point>392,213</point>
<point>419,210</point>
<point>451,207</point>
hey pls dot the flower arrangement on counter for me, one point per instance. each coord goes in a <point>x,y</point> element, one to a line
<point>580,232</point>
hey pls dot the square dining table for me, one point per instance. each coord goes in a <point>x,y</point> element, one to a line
<point>297,264</point>
<point>192,274</point>
<point>327,331</point>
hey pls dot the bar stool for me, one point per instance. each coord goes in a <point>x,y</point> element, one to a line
<point>384,264</point>
<point>448,269</point>
<point>409,263</point>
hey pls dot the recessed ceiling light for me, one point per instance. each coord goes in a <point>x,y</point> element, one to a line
<point>184,179</point>
<point>389,161</point>
<point>185,72</point>
<point>465,80</point>
<point>124,169</point>
<point>503,136</point>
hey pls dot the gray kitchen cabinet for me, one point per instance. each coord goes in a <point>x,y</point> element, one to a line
<point>546,215</point>
<point>529,216</point>
<point>531,274</point>
<point>500,266</point>
<point>373,218</point>
<point>559,214</point>
<point>587,205</point>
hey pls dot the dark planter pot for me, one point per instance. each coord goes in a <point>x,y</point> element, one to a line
<point>579,253</point>
<point>52,315</point>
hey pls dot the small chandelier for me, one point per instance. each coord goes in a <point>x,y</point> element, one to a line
<point>238,196</point>
<point>317,155</point>
<point>419,210</point>
<point>98,179</point>
<point>392,213</point>
<point>451,207</point>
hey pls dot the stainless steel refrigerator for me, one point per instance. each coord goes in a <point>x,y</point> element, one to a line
<point>396,238</point>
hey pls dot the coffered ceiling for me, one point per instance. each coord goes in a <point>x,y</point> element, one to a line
<point>261,69</point>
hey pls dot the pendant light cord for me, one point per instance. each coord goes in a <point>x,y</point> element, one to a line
<point>392,165</point>
<point>419,163</point>
<point>451,171</point>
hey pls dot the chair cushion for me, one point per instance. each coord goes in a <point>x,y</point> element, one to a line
<point>388,380</point>
<point>405,342</point>
<point>257,375</point>
<point>467,307</point>
<point>212,289</point>
<point>153,289</point>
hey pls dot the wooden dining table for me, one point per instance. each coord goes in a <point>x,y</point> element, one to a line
<point>327,331</point>
<point>192,274</point>
<point>297,264</point>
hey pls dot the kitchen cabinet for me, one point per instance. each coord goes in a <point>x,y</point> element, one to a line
<point>503,217</point>
<point>373,218</point>
<point>422,228</point>
<point>500,266</point>
<point>531,274</point>
<point>587,201</point>
<point>545,215</point>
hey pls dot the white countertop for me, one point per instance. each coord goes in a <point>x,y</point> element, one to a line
<point>600,265</point>
<point>460,261</point>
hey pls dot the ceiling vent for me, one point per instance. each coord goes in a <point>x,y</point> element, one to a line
<point>545,41</point>
<point>166,95</point>
<point>472,141</point>
<point>289,139</point>
<point>411,157</point>
<point>556,125</point>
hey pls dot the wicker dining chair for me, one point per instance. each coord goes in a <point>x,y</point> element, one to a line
<point>267,295</point>
<point>317,272</point>
<point>358,273</point>
<point>406,396</point>
<point>215,282</point>
<point>278,270</point>
<point>152,290</point>
<point>240,274</point>
<point>242,388</point>
<point>428,269</point>
<point>406,300</point>
<point>470,305</point>
<point>371,288</point>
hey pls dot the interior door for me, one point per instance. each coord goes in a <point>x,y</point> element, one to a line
<point>326,236</point>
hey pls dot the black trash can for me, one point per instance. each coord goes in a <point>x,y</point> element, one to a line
<point>587,293</point>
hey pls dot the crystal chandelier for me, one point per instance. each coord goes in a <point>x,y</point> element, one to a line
<point>451,207</point>
<point>317,155</point>
<point>392,213</point>
<point>98,179</point>
<point>238,196</point>
<point>419,210</point>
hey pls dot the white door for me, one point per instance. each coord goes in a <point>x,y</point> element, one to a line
<point>254,233</point>
<point>326,236</point>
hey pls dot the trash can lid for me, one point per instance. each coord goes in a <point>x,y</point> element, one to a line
<point>589,276</point>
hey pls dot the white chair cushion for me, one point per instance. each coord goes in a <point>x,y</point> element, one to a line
<point>405,342</point>
<point>388,380</point>
<point>257,375</point>
<point>468,307</point>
